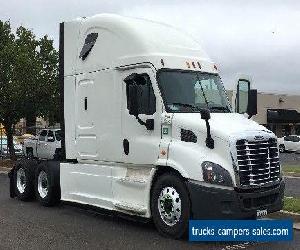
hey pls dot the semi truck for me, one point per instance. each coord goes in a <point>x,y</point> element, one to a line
<point>148,131</point>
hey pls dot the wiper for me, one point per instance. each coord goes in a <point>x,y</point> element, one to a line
<point>186,105</point>
<point>220,108</point>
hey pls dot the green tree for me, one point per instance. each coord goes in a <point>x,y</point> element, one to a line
<point>28,78</point>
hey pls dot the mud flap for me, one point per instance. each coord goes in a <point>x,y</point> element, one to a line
<point>12,192</point>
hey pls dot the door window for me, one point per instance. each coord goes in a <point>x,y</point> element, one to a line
<point>43,135</point>
<point>139,87</point>
<point>50,136</point>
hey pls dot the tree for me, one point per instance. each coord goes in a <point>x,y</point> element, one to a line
<point>28,78</point>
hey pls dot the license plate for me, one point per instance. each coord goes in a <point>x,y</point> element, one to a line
<point>261,213</point>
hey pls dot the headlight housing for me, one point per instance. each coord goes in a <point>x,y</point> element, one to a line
<point>215,174</point>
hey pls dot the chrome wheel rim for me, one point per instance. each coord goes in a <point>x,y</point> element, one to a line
<point>43,184</point>
<point>169,206</point>
<point>21,180</point>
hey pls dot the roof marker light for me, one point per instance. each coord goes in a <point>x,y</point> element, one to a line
<point>193,64</point>
<point>188,64</point>
<point>162,62</point>
<point>199,65</point>
<point>215,67</point>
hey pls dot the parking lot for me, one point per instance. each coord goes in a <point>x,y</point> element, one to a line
<point>27,225</point>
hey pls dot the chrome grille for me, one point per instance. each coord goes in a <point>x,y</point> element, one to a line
<point>258,162</point>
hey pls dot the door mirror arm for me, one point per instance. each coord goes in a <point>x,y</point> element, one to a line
<point>149,124</point>
<point>205,115</point>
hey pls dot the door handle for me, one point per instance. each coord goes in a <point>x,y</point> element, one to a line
<point>126,146</point>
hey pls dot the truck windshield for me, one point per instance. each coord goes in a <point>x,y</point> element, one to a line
<point>189,91</point>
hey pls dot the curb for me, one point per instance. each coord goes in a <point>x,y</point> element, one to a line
<point>291,215</point>
<point>291,177</point>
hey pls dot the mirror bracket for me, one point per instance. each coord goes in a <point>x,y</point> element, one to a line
<point>149,123</point>
<point>205,115</point>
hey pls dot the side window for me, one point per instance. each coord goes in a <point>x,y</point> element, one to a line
<point>50,136</point>
<point>43,135</point>
<point>58,135</point>
<point>139,92</point>
<point>296,138</point>
<point>287,138</point>
<point>89,43</point>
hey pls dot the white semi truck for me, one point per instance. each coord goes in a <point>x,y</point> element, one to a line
<point>149,131</point>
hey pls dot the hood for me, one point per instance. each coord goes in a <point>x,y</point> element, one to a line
<point>223,125</point>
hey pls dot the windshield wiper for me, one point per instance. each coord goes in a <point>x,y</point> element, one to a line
<point>220,108</point>
<point>186,105</point>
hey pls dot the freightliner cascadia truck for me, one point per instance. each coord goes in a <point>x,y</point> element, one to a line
<point>148,130</point>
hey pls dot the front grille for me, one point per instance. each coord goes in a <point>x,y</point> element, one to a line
<point>257,202</point>
<point>258,162</point>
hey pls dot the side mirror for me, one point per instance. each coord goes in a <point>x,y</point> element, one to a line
<point>205,115</point>
<point>252,104</point>
<point>149,124</point>
<point>132,102</point>
<point>242,96</point>
<point>51,139</point>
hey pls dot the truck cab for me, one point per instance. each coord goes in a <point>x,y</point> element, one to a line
<point>149,130</point>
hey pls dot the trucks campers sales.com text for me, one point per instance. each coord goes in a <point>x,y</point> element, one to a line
<point>251,230</point>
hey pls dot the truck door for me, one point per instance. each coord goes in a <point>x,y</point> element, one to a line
<point>41,147</point>
<point>288,142</point>
<point>141,133</point>
<point>50,146</point>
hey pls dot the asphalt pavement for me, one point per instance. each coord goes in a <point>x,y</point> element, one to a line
<point>27,225</point>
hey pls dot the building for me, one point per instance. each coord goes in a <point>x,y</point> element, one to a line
<point>278,112</point>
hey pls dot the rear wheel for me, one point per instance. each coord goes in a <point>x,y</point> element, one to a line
<point>170,206</point>
<point>23,182</point>
<point>46,188</point>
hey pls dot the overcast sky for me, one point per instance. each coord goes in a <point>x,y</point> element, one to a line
<point>260,38</point>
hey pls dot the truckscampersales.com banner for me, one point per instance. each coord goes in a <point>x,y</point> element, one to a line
<point>240,230</point>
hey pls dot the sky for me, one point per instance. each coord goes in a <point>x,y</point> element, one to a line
<point>259,38</point>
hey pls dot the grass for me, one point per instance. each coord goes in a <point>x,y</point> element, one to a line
<point>291,204</point>
<point>291,169</point>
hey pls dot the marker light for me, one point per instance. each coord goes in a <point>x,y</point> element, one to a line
<point>199,65</point>
<point>194,66</point>
<point>215,67</point>
<point>188,64</point>
<point>162,62</point>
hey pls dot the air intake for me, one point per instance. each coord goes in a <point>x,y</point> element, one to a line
<point>188,136</point>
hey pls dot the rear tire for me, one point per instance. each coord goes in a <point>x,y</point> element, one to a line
<point>23,181</point>
<point>170,206</point>
<point>47,189</point>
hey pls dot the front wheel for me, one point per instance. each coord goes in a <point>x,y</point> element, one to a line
<point>170,206</point>
<point>281,148</point>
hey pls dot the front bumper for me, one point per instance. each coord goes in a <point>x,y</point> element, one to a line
<point>217,203</point>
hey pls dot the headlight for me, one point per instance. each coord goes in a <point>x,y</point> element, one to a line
<point>215,174</point>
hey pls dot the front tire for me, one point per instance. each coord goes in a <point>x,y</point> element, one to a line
<point>281,148</point>
<point>47,185</point>
<point>170,206</point>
